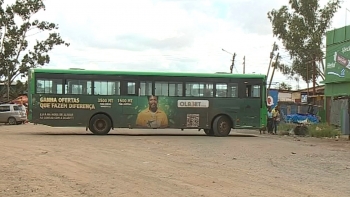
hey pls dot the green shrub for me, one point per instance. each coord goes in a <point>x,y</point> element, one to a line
<point>323,130</point>
<point>315,130</point>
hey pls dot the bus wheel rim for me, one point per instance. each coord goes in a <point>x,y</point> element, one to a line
<point>100,124</point>
<point>223,126</point>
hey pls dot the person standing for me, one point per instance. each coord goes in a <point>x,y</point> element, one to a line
<point>276,118</point>
<point>269,120</point>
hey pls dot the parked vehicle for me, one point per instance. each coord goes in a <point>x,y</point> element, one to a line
<point>13,114</point>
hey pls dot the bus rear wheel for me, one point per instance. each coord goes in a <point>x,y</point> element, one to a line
<point>209,132</point>
<point>222,126</point>
<point>100,124</point>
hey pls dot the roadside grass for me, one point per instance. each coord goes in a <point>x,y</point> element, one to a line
<point>321,130</point>
<point>285,128</point>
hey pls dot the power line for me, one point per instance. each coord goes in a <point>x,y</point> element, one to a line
<point>244,65</point>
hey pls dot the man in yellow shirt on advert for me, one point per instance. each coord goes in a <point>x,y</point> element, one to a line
<point>152,116</point>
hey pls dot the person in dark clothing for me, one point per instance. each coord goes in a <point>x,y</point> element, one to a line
<point>276,118</point>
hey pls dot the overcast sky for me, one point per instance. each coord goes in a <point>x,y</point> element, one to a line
<point>167,35</point>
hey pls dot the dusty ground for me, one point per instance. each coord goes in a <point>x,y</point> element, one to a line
<point>42,161</point>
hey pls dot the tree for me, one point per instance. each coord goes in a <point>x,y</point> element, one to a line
<point>301,28</point>
<point>17,55</point>
<point>284,86</point>
<point>19,89</point>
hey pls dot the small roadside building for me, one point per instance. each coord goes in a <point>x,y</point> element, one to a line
<point>337,76</point>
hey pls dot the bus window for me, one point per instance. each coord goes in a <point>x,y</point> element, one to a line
<point>208,90</point>
<point>232,90</point>
<point>116,87</point>
<point>107,88</point>
<point>146,88</point>
<point>199,89</point>
<point>253,91</point>
<point>49,86</point>
<point>78,86</point>
<point>248,91</point>
<point>256,91</point>
<point>161,88</point>
<point>131,88</point>
<point>221,90</point>
<point>175,89</point>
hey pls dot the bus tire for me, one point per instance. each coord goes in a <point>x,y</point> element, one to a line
<point>209,132</point>
<point>100,124</point>
<point>221,126</point>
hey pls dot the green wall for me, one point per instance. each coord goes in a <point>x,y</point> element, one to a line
<point>337,89</point>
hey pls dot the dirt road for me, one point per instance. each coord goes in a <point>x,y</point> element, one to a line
<point>42,161</point>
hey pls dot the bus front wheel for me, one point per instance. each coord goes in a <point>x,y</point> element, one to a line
<point>222,126</point>
<point>100,124</point>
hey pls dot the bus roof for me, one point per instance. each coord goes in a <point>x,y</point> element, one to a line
<point>144,73</point>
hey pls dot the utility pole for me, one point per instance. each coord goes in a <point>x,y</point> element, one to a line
<point>233,62</point>
<point>244,65</point>
<point>273,71</point>
<point>8,84</point>
<point>349,113</point>
<point>271,57</point>
<point>321,61</point>
<point>314,77</point>
<point>308,81</point>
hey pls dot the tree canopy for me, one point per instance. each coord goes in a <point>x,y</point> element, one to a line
<point>17,23</point>
<point>301,27</point>
<point>284,86</point>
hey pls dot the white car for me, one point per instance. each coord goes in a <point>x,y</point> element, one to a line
<point>12,114</point>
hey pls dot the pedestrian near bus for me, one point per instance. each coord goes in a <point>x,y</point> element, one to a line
<point>276,116</point>
<point>269,120</point>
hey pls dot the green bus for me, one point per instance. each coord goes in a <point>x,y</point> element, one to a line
<point>104,100</point>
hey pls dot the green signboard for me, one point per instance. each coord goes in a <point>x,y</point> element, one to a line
<point>338,63</point>
<point>337,71</point>
<point>338,56</point>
